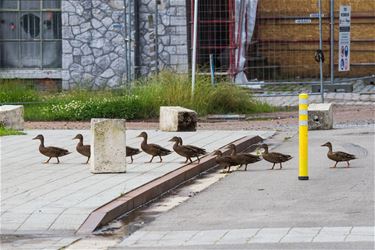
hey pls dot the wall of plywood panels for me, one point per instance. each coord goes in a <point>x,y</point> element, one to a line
<point>293,46</point>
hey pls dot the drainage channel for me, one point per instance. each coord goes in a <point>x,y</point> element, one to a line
<point>127,224</point>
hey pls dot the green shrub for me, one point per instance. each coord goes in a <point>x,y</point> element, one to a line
<point>140,100</point>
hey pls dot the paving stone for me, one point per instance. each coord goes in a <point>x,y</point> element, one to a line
<point>206,237</point>
<point>301,234</point>
<point>38,222</point>
<point>238,236</point>
<point>29,186</point>
<point>176,238</point>
<point>269,235</point>
<point>361,234</point>
<point>332,234</point>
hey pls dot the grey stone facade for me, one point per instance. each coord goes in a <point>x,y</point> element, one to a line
<point>106,44</point>
<point>94,52</point>
<point>93,43</point>
<point>163,41</point>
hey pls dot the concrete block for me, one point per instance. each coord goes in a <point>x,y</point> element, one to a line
<point>12,116</point>
<point>320,116</point>
<point>108,146</point>
<point>175,118</point>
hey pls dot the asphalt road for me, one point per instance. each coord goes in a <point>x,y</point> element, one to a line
<point>262,198</point>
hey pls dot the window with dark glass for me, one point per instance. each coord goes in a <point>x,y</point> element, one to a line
<point>30,34</point>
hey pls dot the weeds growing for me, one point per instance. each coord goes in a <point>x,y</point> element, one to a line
<point>8,131</point>
<point>141,100</point>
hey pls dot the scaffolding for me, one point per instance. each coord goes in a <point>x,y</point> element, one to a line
<point>286,37</point>
<point>215,35</point>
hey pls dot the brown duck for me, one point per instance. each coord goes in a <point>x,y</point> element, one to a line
<point>82,149</point>
<point>242,158</point>
<point>224,161</point>
<point>50,151</point>
<point>274,157</point>
<point>132,151</point>
<point>187,151</point>
<point>198,150</point>
<point>153,149</point>
<point>338,155</point>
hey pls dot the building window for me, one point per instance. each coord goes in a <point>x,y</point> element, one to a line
<point>30,34</point>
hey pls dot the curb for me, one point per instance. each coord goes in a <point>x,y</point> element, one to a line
<point>153,189</point>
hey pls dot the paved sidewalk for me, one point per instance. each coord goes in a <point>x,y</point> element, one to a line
<point>247,236</point>
<point>50,198</point>
<point>271,209</point>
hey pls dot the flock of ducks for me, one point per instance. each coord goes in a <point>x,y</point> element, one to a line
<point>190,151</point>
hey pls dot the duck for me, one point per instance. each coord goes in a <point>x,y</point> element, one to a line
<point>338,155</point>
<point>132,151</point>
<point>50,151</point>
<point>153,149</point>
<point>242,158</point>
<point>200,151</point>
<point>224,161</point>
<point>82,149</point>
<point>274,157</point>
<point>187,151</point>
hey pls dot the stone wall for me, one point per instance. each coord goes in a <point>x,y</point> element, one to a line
<point>93,33</point>
<point>167,35</point>
<point>93,43</point>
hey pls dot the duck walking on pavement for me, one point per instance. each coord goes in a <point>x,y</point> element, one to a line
<point>242,158</point>
<point>187,151</point>
<point>153,149</point>
<point>338,155</point>
<point>50,151</point>
<point>224,161</point>
<point>274,157</point>
<point>82,149</point>
<point>132,151</point>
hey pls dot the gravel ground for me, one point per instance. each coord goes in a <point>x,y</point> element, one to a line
<point>281,121</point>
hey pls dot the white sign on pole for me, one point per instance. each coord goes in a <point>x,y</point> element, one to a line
<point>302,21</point>
<point>344,38</point>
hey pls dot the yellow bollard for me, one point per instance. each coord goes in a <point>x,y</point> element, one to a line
<point>303,137</point>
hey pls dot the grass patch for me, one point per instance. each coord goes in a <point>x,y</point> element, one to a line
<point>141,100</point>
<point>7,131</point>
<point>14,91</point>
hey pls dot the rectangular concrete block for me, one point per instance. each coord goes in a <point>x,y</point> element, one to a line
<point>12,116</point>
<point>175,118</point>
<point>320,116</point>
<point>108,146</point>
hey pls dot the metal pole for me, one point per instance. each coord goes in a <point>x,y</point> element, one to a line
<point>303,137</point>
<point>194,52</point>
<point>130,41</point>
<point>212,69</point>
<point>332,41</point>
<point>126,42</point>
<point>321,49</point>
<point>157,35</point>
